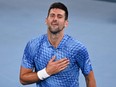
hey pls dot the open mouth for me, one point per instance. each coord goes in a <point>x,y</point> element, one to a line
<point>54,24</point>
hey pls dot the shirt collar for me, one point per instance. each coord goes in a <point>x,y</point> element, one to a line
<point>61,44</point>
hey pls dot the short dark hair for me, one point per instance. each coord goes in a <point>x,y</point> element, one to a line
<point>60,6</point>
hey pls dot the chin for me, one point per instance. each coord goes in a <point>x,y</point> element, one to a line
<point>54,32</point>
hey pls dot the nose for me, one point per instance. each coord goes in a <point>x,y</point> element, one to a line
<point>55,18</point>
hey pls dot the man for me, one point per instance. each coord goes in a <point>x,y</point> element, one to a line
<point>54,59</point>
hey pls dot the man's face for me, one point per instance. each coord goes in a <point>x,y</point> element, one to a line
<point>56,20</point>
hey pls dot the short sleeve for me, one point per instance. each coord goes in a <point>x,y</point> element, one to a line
<point>84,61</point>
<point>27,60</point>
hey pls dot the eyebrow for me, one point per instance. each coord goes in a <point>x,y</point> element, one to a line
<point>57,14</point>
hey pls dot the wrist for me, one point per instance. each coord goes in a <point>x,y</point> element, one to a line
<point>42,74</point>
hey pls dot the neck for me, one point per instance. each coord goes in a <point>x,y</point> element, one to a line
<point>55,39</point>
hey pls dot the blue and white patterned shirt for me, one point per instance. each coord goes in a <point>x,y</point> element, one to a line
<point>39,51</point>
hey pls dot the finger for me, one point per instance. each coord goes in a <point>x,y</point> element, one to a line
<point>62,68</point>
<point>62,60</point>
<point>52,59</point>
<point>63,64</point>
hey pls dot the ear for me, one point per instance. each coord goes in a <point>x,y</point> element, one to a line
<point>46,21</point>
<point>66,23</point>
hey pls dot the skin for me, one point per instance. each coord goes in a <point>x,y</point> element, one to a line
<point>56,23</point>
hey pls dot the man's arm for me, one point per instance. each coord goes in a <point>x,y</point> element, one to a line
<point>27,76</point>
<point>90,80</point>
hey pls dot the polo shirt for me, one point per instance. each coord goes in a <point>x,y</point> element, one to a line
<point>39,51</point>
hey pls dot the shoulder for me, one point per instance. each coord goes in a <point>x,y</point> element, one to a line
<point>74,43</point>
<point>34,43</point>
<point>36,40</point>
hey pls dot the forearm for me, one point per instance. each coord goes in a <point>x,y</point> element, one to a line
<point>90,80</point>
<point>29,78</point>
<point>90,83</point>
